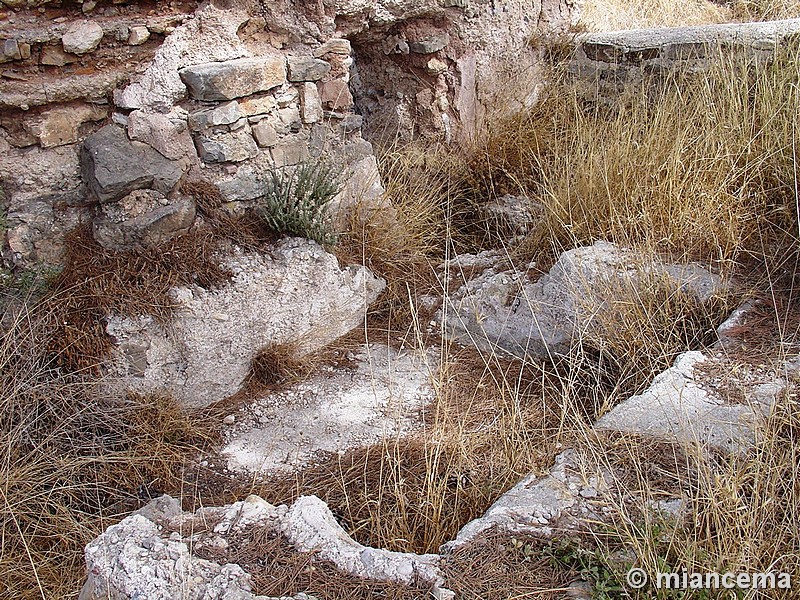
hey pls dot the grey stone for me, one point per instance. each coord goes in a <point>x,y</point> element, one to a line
<point>289,152</point>
<point>542,505</point>
<point>234,78</point>
<point>430,44</point>
<point>352,123</point>
<point>167,133</point>
<point>503,310</point>
<point>310,526</point>
<point>143,218</point>
<point>10,51</point>
<point>299,294</point>
<point>234,146</point>
<point>224,114</point>
<point>211,35</point>
<point>113,166</point>
<point>82,37</point>
<point>138,35</point>
<point>305,68</point>
<point>265,134</point>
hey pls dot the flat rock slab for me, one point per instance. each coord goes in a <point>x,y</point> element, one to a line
<point>299,296</point>
<point>332,412</point>
<point>678,407</point>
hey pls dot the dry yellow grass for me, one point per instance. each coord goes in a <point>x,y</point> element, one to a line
<point>613,15</point>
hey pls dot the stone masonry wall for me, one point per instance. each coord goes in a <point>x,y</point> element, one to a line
<point>608,62</point>
<point>107,106</point>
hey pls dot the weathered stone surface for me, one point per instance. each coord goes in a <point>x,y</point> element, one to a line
<point>10,50</point>
<point>258,105</point>
<point>211,35</point>
<point>82,37</point>
<point>430,44</point>
<point>59,126</point>
<point>336,95</point>
<point>143,218</point>
<point>113,166</point>
<point>56,57</point>
<point>677,407</point>
<point>234,146</point>
<point>311,527</point>
<point>503,310</point>
<point>289,152</point>
<point>138,558</point>
<point>133,559</point>
<point>305,68</point>
<point>138,35</point>
<point>265,134</point>
<point>299,295</point>
<point>167,133</point>
<point>544,505</point>
<point>311,103</point>
<point>224,114</point>
<point>234,78</point>
<point>381,397</point>
<point>333,46</point>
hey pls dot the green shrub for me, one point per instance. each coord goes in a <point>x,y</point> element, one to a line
<point>296,200</point>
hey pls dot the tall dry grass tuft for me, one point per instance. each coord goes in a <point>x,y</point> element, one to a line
<point>699,166</point>
<point>765,10</point>
<point>612,15</point>
<point>72,460</point>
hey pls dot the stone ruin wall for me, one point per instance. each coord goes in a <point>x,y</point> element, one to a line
<point>106,106</point>
<point>605,64</point>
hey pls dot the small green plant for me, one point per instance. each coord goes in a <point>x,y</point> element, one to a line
<point>296,200</point>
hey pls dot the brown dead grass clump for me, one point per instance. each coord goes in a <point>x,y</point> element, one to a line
<point>277,569</point>
<point>73,461</point>
<point>96,282</point>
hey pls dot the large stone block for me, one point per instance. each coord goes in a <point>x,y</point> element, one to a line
<point>113,166</point>
<point>234,78</point>
<point>299,294</point>
<point>305,68</point>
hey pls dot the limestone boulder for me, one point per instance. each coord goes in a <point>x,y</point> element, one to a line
<point>299,295</point>
<point>113,166</point>
<point>502,309</point>
<point>138,558</point>
<point>679,405</point>
<point>226,146</point>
